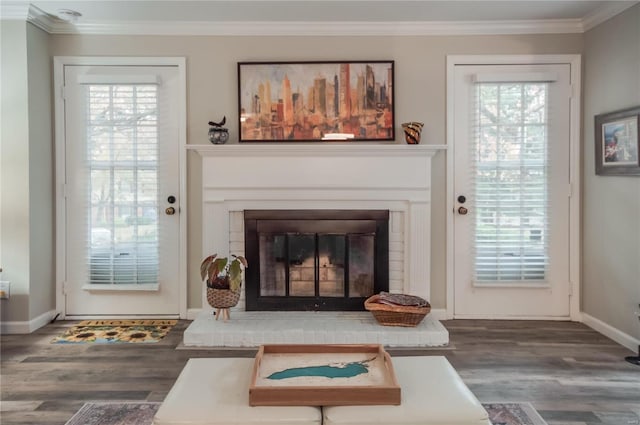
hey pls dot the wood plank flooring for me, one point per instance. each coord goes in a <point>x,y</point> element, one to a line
<point>571,374</point>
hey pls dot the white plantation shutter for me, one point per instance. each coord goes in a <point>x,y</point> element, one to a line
<point>122,165</point>
<point>510,182</point>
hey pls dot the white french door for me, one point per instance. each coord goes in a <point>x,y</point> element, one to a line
<point>122,196</point>
<point>512,191</point>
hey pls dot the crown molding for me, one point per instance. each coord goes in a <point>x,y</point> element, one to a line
<point>21,10</point>
<point>43,20</point>
<point>287,28</point>
<point>14,10</point>
<point>607,11</point>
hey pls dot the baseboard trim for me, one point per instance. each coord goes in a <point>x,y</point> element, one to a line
<point>438,313</point>
<point>26,327</point>
<point>192,313</point>
<point>609,331</point>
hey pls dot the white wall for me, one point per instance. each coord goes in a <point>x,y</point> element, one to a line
<point>212,93</point>
<point>611,205</point>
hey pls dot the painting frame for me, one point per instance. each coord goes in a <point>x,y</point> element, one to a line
<point>617,143</point>
<point>316,101</point>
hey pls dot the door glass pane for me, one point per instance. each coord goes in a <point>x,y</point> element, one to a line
<point>272,264</point>
<point>122,152</point>
<point>331,250</point>
<point>302,248</point>
<point>361,267</point>
<point>510,182</point>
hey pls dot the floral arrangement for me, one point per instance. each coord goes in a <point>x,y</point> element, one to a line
<point>220,273</point>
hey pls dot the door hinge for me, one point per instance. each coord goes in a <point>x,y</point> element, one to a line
<point>63,92</point>
<point>573,91</point>
<point>64,190</point>
<point>569,190</point>
<point>64,288</point>
<point>570,288</point>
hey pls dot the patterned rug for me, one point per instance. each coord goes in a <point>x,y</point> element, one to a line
<point>513,414</point>
<point>141,413</point>
<point>113,331</point>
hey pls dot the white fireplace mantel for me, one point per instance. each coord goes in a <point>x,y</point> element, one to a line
<point>393,177</point>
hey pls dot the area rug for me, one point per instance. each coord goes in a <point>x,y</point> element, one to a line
<point>142,413</point>
<point>138,413</point>
<point>114,331</point>
<point>513,414</point>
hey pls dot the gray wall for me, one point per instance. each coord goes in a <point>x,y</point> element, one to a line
<point>14,171</point>
<point>611,229</point>
<point>41,181</point>
<point>419,90</point>
<point>26,184</point>
<point>611,205</point>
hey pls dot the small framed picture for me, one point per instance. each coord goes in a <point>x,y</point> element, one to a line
<point>316,101</point>
<point>617,145</point>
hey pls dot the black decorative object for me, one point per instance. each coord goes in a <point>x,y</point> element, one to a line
<point>218,135</point>
<point>635,359</point>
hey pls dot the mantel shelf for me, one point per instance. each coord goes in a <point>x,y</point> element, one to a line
<point>316,149</point>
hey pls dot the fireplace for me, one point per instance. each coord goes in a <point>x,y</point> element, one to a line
<point>320,260</point>
<point>239,178</point>
<point>393,178</point>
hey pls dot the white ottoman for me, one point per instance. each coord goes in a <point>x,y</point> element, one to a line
<point>432,394</point>
<point>216,392</point>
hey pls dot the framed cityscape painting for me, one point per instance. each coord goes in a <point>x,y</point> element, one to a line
<point>316,101</point>
<point>617,142</point>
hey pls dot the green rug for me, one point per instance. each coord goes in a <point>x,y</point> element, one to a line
<point>116,331</point>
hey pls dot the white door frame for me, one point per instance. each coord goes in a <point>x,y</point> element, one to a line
<point>59,63</point>
<point>574,164</point>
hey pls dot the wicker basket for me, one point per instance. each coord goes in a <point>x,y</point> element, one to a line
<point>395,315</point>
<point>222,298</point>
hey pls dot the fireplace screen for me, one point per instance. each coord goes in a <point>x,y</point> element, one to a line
<point>315,260</point>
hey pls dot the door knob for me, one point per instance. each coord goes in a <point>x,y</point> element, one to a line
<point>462,211</point>
<point>170,211</point>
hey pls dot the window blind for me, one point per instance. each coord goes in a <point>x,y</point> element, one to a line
<point>122,168</point>
<point>510,182</point>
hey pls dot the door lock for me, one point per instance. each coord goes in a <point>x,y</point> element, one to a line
<point>170,211</point>
<point>462,211</point>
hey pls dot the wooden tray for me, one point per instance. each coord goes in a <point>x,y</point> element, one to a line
<point>299,375</point>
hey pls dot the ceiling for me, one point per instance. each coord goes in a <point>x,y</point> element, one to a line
<point>176,16</point>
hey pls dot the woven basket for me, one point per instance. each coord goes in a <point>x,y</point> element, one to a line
<point>222,298</point>
<point>395,315</point>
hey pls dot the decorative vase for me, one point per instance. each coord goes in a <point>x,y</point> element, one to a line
<point>222,298</point>
<point>218,135</point>
<point>412,132</point>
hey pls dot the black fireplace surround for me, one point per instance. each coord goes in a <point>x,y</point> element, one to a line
<point>315,260</point>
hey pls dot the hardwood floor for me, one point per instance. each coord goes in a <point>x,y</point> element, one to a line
<point>571,374</point>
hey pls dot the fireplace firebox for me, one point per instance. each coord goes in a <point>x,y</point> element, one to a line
<point>323,260</point>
